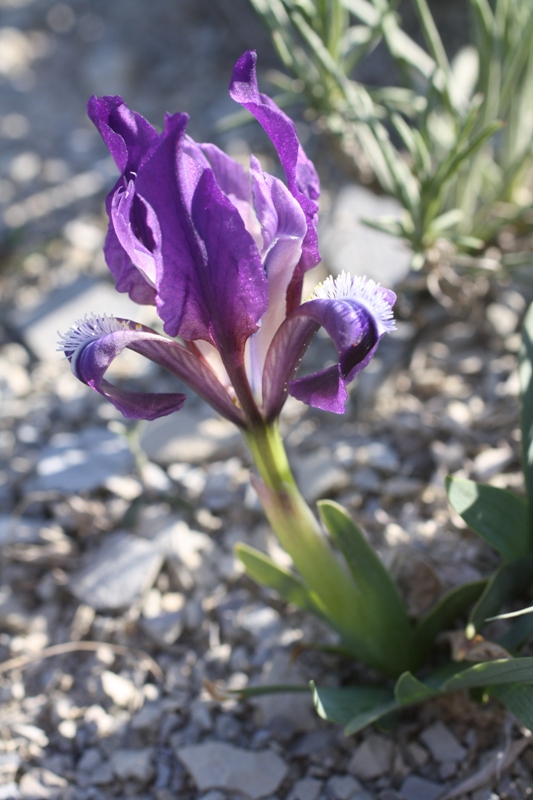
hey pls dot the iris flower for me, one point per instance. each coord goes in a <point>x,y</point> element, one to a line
<point>221,252</point>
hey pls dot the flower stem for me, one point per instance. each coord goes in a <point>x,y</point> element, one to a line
<point>299,532</point>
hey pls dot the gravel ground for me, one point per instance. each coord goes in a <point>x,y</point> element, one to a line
<point>117,540</point>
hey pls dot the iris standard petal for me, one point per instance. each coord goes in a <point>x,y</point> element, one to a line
<point>356,313</point>
<point>301,175</point>
<point>93,344</point>
<point>166,182</point>
<point>126,133</point>
<point>129,138</point>
<point>283,227</point>
<point>136,229</point>
<point>127,277</point>
<point>234,285</point>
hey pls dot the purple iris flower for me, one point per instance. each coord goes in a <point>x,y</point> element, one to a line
<point>221,252</point>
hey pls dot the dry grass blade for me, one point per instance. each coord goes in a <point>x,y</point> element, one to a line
<point>492,769</point>
<point>21,662</point>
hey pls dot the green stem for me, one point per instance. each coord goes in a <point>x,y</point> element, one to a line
<point>299,532</point>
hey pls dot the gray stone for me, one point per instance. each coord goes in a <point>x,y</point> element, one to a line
<point>214,794</point>
<point>216,765</point>
<point>14,380</point>
<point>148,717</point>
<point>306,789</point>
<point>219,488</point>
<point>366,480</point>
<point>133,764</point>
<point>9,791</point>
<point>190,547</point>
<point>103,775</point>
<point>21,531</point>
<point>193,436</point>
<point>41,783</point>
<point>490,462</point>
<point>314,742</point>
<point>343,787</point>
<point>415,788</point>
<point>348,244</point>
<point>373,758</point>
<point>80,462</point>
<point>9,764</point>
<point>402,486</point>
<point>503,319</point>
<point>13,615</point>
<point>378,455</point>
<point>89,760</point>
<point>166,628</point>
<point>39,325</point>
<point>119,689</point>
<point>295,707</point>
<point>262,622</point>
<point>318,475</point>
<point>31,732</point>
<point>118,573</point>
<point>442,744</point>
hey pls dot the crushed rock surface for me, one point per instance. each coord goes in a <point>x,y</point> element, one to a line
<point>117,540</point>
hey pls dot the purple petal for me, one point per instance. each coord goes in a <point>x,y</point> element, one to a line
<point>127,276</point>
<point>127,134</point>
<point>233,280</point>
<point>356,313</point>
<point>283,229</point>
<point>129,138</point>
<point>231,176</point>
<point>93,344</point>
<point>136,230</point>
<point>166,182</point>
<point>301,175</point>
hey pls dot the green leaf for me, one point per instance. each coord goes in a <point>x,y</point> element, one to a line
<point>459,156</point>
<point>447,220</point>
<point>498,516</point>
<point>444,612</point>
<point>508,581</point>
<point>267,573</point>
<point>492,673</point>
<point>386,224</point>
<point>260,691</point>
<point>410,690</point>
<point>384,620</point>
<point>355,707</point>
<point>525,372</point>
<point>518,698</point>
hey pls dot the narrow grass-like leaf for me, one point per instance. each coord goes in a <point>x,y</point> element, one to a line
<point>451,165</point>
<point>500,517</point>
<point>447,220</point>
<point>385,224</point>
<point>525,372</point>
<point>267,573</point>
<point>384,618</point>
<point>435,46</point>
<point>364,11</point>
